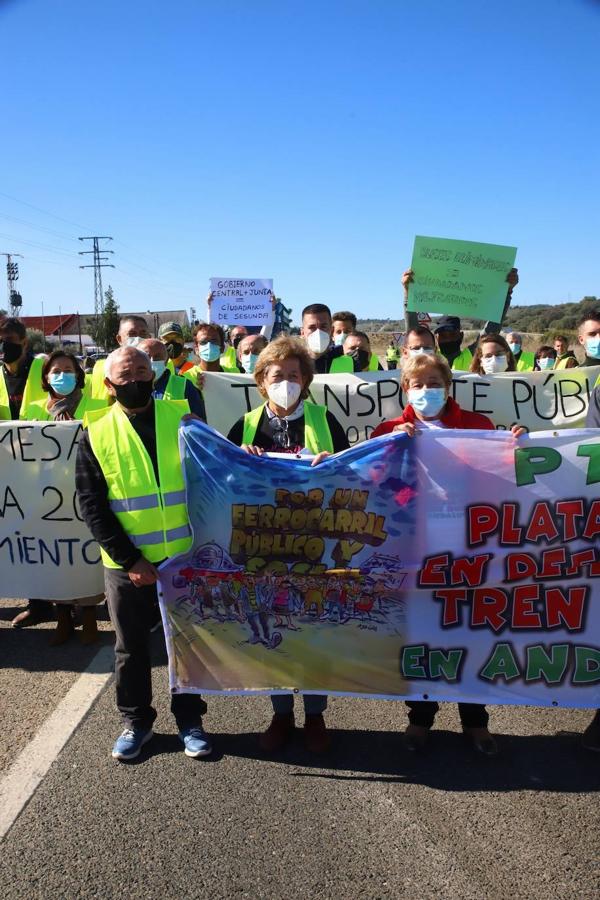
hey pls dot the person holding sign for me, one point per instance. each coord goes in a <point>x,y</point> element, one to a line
<point>288,423</point>
<point>63,379</point>
<point>524,359</point>
<point>493,356</point>
<point>131,494</point>
<point>317,329</point>
<point>427,381</point>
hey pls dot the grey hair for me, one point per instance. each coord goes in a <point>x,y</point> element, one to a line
<point>114,356</point>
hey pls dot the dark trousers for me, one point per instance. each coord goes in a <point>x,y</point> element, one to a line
<point>132,612</point>
<point>422,712</point>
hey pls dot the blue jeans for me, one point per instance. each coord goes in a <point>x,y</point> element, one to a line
<point>314,704</point>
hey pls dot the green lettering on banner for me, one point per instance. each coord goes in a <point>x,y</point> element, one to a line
<point>410,662</point>
<point>544,666</point>
<point>445,665</point>
<point>501,664</point>
<point>587,665</point>
<point>593,452</point>
<point>533,461</point>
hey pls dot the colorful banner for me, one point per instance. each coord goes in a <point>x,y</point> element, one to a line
<point>459,278</point>
<point>535,400</point>
<point>450,566</point>
<point>45,549</point>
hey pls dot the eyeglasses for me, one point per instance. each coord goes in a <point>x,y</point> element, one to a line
<point>281,436</point>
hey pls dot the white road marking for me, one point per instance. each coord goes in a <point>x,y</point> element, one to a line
<point>27,772</point>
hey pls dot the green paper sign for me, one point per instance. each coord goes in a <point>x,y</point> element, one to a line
<point>459,278</point>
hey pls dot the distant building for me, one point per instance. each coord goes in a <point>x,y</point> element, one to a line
<point>67,328</point>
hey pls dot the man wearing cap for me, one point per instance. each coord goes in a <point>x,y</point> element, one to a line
<point>449,339</point>
<point>167,385</point>
<point>171,334</point>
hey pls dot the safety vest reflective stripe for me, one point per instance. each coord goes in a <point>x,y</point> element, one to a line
<point>157,537</point>
<point>149,501</point>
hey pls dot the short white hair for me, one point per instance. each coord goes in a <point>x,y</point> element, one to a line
<point>115,356</point>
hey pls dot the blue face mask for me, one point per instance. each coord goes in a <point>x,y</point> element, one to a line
<point>592,347</point>
<point>158,367</point>
<point>516,348</point>
<point>63,383</point>
<point>249,362</point>
<point>339,339</point>
<point>546,362</point>
<point>209,352</point>
<point>428,401</point>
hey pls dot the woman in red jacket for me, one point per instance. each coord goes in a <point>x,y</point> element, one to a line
<point>426,381</point>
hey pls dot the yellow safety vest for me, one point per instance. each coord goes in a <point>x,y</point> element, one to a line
<point>561,362</point>
<point>317,436</point>
<point>175,389</point>
<point>392,354</point>
<point>341,364</point>
<point>193,373</point>
<point>526,361</point>
<point>153,514</point>
<point>229,359</point>
<point>38,410</point>
<point>99,391</point>
<point>33,389</point>
<point>463,361</point>
<point>373,363</point>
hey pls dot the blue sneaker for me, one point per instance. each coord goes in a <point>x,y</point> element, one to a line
<point>196,742</point>
<point>129,744</point>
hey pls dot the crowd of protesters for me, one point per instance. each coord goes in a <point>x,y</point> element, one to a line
<point>130,485</point>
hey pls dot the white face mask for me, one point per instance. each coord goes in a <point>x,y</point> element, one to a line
<point>419,351</point>
<point>493,365</point>
<point>546,362</point>
<point>133,341</point>
<point>284,393</point>
<point>158,367</point>
<point>318,341</point>
<point>338,339</point>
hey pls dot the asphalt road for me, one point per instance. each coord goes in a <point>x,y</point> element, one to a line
<point>367,820</point>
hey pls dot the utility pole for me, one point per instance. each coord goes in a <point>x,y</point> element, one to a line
<point>15,301</point>
<point>100,262</point>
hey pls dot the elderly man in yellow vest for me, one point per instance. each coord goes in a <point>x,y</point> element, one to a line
<point>131,494</point>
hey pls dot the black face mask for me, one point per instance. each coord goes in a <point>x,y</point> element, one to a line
<point>12,351</point>
<point>134,394</point>
<point>361,359</point>
<point>174,349</point>
<point>450,348</point>
<point>237,340</point>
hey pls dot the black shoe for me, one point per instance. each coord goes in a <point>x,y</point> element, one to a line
<point>482,741</point>
<point>36,612</point>
<point>416,738</point>
<point>590,738</point>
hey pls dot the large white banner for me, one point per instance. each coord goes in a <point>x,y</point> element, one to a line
<point>535,400</point>
<point>45,549</point>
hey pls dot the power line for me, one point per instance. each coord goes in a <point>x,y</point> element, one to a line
<point>12,276</point>
<point>100,262</point>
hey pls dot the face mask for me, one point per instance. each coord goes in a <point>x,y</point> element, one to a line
<point>209,352</point>
<point>284,393</point>
<point>63,383</point>
<point>361,358</point>
<point>515,348</point>
<point>338,339</point>
<point>592,347</point>
<point>235,342</point>
<point>419,351</point>
<point>174,349</point>
<point>428,401</point>
<point>249,362</point>
<point>546,362</point>
<point>12,351</point>
<point>134,394</point>
<point>133,341</point>
<point>318,341</point>
<point>450,348</point>
<point>158,367</point>
<point>492,365</point>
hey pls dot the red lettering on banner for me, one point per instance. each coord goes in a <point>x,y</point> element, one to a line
<point>592,524</point>
<point>524,614</point>
<point>552,563</point>
<point>520,566</point>
<point>510,533</point>
<point>570,510</point>
<point>431,574</point>
<point>560,609</point>
<point>450,598</point>
<point>483,520</point>
<point>489,604</point>
<point>542,524</point>
<point>469,571</point>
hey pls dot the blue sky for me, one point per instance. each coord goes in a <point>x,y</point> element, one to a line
<point>308,142</point>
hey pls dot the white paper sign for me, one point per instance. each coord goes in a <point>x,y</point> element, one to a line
<point>46,551</point>
<point>241,301</point>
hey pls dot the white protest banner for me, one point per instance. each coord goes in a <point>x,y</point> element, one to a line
<point>535,400</point>
<point>45,549</point>
<point>241,301</point>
